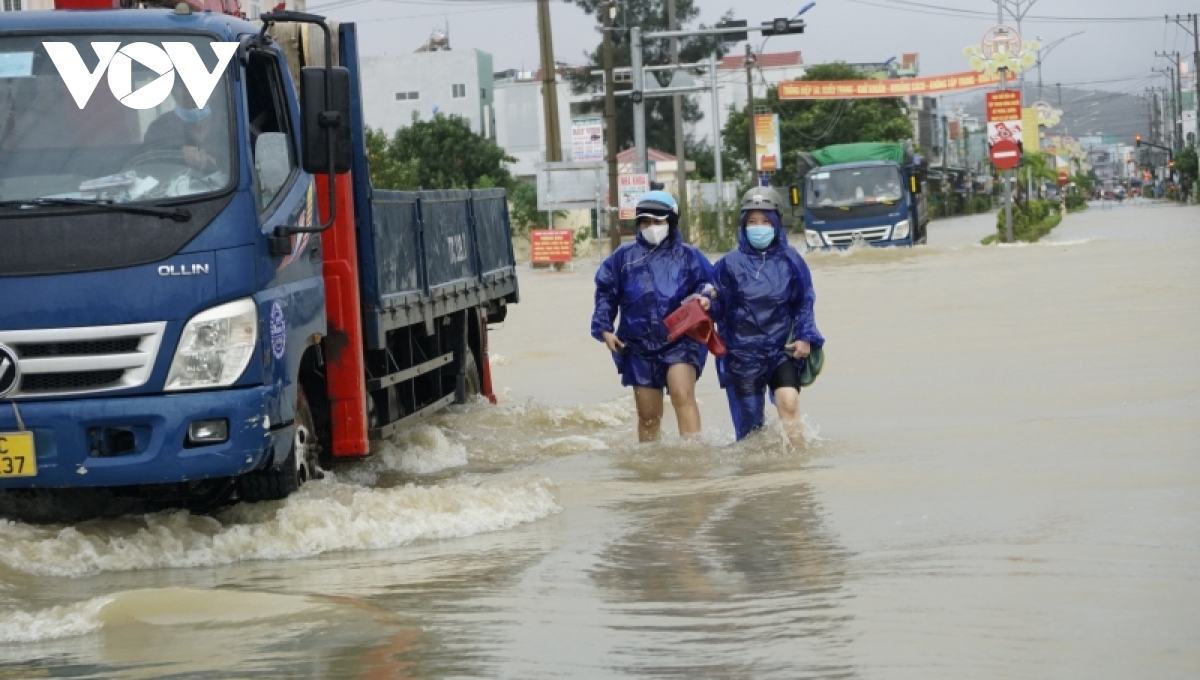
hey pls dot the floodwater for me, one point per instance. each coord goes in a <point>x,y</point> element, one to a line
<point>1001,478</point>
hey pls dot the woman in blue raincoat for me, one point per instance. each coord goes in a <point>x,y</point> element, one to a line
<point>643,282</point>
<point>764,312</point>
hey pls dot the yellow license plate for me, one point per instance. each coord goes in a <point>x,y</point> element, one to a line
<point>16,455</point>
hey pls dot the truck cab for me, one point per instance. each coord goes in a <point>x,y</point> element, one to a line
<point>861,202</point>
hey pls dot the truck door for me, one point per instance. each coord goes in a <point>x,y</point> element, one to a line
<point>292,306</point>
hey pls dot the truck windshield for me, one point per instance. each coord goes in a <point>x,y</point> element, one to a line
<point>109,118</point>
<point>846,187</point>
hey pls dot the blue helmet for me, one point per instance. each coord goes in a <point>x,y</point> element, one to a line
<point>658,204</point>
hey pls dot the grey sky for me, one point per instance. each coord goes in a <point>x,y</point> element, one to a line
<point>838,30</point>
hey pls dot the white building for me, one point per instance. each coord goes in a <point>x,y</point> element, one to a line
<point>25,5</point>
<point>771,69</point>
<point>427,83</point>
<point>521,122</point>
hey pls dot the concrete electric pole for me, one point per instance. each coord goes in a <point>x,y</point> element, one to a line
<point>610,128</point>
<point>549,84</point>
<point>680,150</point>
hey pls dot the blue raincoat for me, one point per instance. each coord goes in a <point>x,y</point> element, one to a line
<point>765,300</point>
<point>644,284</point>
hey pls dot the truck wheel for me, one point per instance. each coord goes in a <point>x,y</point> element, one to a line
<point>277,483</point>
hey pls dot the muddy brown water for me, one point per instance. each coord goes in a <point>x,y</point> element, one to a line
<point>1000,479</point>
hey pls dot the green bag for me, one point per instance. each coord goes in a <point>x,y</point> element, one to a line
<point>812,367</point>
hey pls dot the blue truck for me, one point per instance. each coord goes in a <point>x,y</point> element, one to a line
<point>200,293</point>
<point>868,193</point>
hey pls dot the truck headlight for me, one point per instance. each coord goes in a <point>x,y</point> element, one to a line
<point>900,230</point>
<point>215,347</point>
<point>813,238</point>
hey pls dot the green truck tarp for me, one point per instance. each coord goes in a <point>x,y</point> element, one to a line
<point>857,153</point>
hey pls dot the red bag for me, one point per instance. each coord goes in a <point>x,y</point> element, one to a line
<point>691,320</point>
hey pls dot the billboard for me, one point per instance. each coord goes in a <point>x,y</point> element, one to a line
<point>766,142</point>
<point>587,139</point>
<point>550,245</point>
<point>1004,116</point>
<point>629,189</point>
<point>895,87</point>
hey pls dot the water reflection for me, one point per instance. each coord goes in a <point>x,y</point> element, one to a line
<point>730,577</point>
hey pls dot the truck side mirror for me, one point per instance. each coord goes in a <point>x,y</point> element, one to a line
<point>317,121</point>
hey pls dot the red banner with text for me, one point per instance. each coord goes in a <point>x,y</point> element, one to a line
<point>550,245</point>
<point>895,87</point>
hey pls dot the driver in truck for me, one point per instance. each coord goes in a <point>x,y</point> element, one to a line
<point>187,129</point>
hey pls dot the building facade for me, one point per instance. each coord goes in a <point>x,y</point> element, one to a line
<point>424,84</point>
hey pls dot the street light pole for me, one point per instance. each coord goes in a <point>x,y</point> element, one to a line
<point>1047,49</point>
<point>750,115</point>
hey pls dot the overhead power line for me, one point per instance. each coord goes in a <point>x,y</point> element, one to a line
<point>941,10</point>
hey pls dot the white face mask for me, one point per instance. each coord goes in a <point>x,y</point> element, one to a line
<point>654,235</point>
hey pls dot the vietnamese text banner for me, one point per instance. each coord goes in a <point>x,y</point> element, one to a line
<point>550,245</point>
<point>867,89</point>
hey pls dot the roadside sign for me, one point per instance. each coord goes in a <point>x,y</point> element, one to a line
<point>1063,177</point>
<point>1004,116</point>
<point>547,246</point>
<point>587,140</point>
<point>1006,155</point>
<point>629,189</point>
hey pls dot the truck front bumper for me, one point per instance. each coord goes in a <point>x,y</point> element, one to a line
<point>123,441</point>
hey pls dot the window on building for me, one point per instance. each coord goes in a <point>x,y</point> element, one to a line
<point>407,96</point>
<point>483,93</point>
<point>458,91</point>
<point>11,5</point>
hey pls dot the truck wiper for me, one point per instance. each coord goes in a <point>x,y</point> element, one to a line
<point>177,214</point>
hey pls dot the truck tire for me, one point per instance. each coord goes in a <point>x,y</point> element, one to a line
<point>276,483</point>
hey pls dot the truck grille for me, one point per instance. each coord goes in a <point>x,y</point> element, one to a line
<point>34,350</point>
<point>847,236</point>
<point>73,361</point>
<point>69,382</point>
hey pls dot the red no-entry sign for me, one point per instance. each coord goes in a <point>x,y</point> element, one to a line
<point>1006,155</point>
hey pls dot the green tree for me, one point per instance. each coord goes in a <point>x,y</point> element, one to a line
<point>1037,166</point>
<point>523,210</point>
<point>442,153</point>
<point>806,125</point>
<point>649,15</point>
<point>1185,163</point>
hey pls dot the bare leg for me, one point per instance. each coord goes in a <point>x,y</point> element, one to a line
<point>650,411</point>
<point>681,381</point>
<point>787,400</point>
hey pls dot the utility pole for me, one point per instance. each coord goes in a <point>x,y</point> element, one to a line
<point>610,129</point>
<point>1008,225</point>
<point>680,150</point>
<point>750,115</point>
<point>549,84</point>
<point>1177,109</point>
<point>945,163</point>
<point>716,113</point>
<point>639,103</point>
<point>1195,31</point>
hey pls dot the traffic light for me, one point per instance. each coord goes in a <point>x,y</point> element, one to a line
<point>1137,140</point>
<point>733,37</point>
<point>783,27</point>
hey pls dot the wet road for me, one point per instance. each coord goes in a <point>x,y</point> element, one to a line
<point>1000,481</point>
